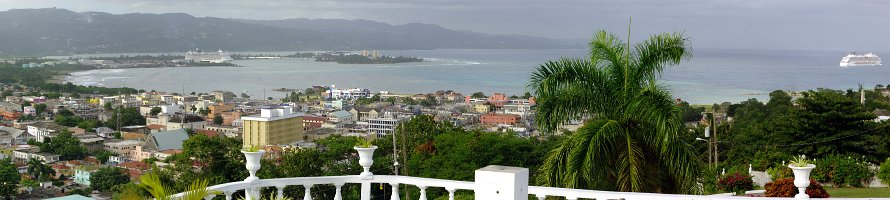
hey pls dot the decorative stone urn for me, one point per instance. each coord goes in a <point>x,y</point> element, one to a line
<point>366,159</point>
<point>802,179</point>
<point>253,163</point>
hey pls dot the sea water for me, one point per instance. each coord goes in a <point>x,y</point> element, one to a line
<point>709,76</point>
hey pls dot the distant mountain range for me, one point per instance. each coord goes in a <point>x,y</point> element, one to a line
<point>50,31</point>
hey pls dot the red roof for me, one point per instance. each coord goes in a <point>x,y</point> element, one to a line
<point>172,151</point>
<point>134,165</point>
<point>207,133</point>
<point>155,126</point>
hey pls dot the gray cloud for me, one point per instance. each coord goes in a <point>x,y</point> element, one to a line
<point>757,24</point>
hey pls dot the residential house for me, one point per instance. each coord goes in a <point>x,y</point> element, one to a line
<point>23,153</point>
<point>313,122</point>
<point>364,113</point>
<point>12,136</point>
<point>105,132</point>
<point>82,174</point>
<point>160,141</point>
<point>92,142</point>
<point>136,132</point>
<point>353,93</point>
<point>228,131</point>
<point>134,168</point>
<point>41,130</point>
<point>122,147</point>
<point>496,119</point>
<point>340,117</point>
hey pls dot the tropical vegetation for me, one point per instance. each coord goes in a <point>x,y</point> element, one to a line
<point>630,140</point>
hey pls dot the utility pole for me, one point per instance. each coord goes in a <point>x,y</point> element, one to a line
<point>712,141</point>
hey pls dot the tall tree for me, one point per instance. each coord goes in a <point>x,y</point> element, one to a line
<point>127,117</point>
<point>106,178</point>
<point>832,123</point>
<point>630,140</point>
<point>9,178</point>
<point>217,119</point>
<point>65,145</point>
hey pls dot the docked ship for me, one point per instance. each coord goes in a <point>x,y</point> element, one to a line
<point>208,57</point>
<point>853,59</point>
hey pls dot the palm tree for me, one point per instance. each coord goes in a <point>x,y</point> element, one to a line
<point>151,183</point>
<point>629,140</point>
<point>38,170</point>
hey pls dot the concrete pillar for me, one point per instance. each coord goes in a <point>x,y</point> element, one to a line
<point>501,183</point>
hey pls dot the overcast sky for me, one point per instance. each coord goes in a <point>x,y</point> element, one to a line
<point>749,24</point>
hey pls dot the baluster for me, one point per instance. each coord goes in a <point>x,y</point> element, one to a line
<point>209,197</point>
<point>229,195</point>
<point>541,196</point>
<point>280,192</point>
<point>307,195</point>
<point>395,191</point>
<point>337,195</point>
<point>422,192</point>
<point>450,193</point>
<point>571,198</point>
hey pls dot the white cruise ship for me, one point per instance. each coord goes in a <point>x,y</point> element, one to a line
<point>208,57</point>
<point>868,59</point>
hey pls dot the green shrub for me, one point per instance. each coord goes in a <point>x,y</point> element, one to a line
<point>884,172</point>
<point>780,172</point>
<point>841,171</point>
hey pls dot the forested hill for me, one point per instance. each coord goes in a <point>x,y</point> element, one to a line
<point>50,31</point>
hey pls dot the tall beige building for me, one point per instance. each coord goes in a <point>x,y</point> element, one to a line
<point>274,125</point>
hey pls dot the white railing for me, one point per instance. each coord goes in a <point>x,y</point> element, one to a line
<point>492,183</point>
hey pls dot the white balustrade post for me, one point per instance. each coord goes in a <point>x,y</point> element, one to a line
<point>280,192</point>
<point>501,183</point>
<point>337,195</point>
<point>209,197</point>
<point>450,193</point>
<point>395,191</point>
<point>366,190</point>
<point>229,195</point>
<point>307,195</point>
<point>422,192</point>
<point>541,196</point>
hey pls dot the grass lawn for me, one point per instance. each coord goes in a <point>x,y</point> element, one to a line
<point>858,192</point>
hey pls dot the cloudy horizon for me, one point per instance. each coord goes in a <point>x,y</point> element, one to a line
<point>750,24</point>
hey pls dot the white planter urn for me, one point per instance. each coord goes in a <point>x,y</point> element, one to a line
<point>802,179</point>
<point>253,163</point>
<point>366,159</point>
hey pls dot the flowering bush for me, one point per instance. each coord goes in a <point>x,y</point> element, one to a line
<point>736,182</point>
<point>785,188</point>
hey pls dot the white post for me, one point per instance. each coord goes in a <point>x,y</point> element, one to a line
<point>307,195</point>
<point>366,190</point>
<point>395,191</point>
<point>337,195</point>
<point>228,195</point>
<point>450,193</point>
<point>422,192</point>
<point>501,183</point>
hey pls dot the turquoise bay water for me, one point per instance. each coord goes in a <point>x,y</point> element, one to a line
<point>711,76</point>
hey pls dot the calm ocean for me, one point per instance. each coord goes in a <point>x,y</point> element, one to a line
<point>711,76</point>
